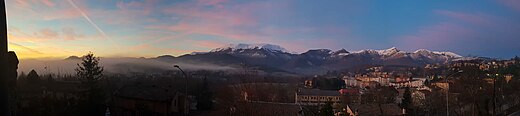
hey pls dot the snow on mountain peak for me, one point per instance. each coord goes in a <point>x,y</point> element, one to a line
<point>385,52</point>
<point>450,54</point>
<point>251,46</point>
<point>341,52</point>
<point>422,51</point>
<point>388,51</point>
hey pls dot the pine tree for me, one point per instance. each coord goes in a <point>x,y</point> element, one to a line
<point>89,73</point>
<point>407,99</point>
<point>33,77</point>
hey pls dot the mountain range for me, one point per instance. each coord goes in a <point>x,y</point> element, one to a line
<point>274,58</point>
<point>262,58</point>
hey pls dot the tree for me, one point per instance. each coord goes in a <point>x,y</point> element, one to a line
<point>407,99</point>
<point>89,73</point>
<point>326,110</point>
<point>33,76</point>
<point>22,75</point>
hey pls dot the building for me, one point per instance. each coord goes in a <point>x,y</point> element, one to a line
<point>317,97</point>
<point>350,81</point>
<point>441,84</point>
<point>415,83</point>
<point>309,83</point>
<point>148,100</point>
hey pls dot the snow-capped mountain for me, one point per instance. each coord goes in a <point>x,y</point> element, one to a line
<point>448,54</point>
<point>234,47</point>
<point>385,52</point>
<point>274,57</point>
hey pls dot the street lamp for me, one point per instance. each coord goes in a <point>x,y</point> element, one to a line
<point>494,94</point>
<point>448,91</point>
<point>185,91</point>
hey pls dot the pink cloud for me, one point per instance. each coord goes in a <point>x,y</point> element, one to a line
<point>40,9</point>
<point>236,23</point>
<point>22,3</point>
<point>70,34</point>
<point>127,13</point>
<point>223,16</point>
<point>31,3</point>
<point>48,3</point>
<point>208,44</point>
<point>476,30</point>
<point>474,18</point>
<point>232,23</point>
<point>62,14</point>
<point>513,4</point>
<point>47,34</point>
<point>211,2</point>
<point>437,36</point>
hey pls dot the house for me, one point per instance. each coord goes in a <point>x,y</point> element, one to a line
<point>374,110</point>
<point>146,100</point>
<point>441,84</point>
<point>508,77</point>
<point>350,81</point>
<point>415,83</point>
<point>317,97</point>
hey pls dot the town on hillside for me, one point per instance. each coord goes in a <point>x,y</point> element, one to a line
<point>225,58</point>
<point>465,87</point>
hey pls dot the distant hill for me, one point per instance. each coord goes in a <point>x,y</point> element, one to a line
<point>277,58</point>
<point>73,58</point>
<point>270,59</point>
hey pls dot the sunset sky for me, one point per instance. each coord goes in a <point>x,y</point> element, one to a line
<point>149,28</point>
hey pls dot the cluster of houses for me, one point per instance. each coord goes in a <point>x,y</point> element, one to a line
<point>420,87</point>
<point>383,79</point>
<point>316,98</point>
<point>356,85</point>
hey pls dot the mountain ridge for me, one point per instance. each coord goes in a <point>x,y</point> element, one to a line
<point>273,58</point>
<point>314,60</point>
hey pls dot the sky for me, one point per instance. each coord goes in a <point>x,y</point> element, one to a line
<point>149,28</point>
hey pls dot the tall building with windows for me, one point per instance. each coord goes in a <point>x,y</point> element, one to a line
<point>317,97</point>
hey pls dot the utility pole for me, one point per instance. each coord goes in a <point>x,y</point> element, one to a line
<point>186,105</point>
<point>8,66</point>
<point>448,92</point>
<point>4,95</point>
